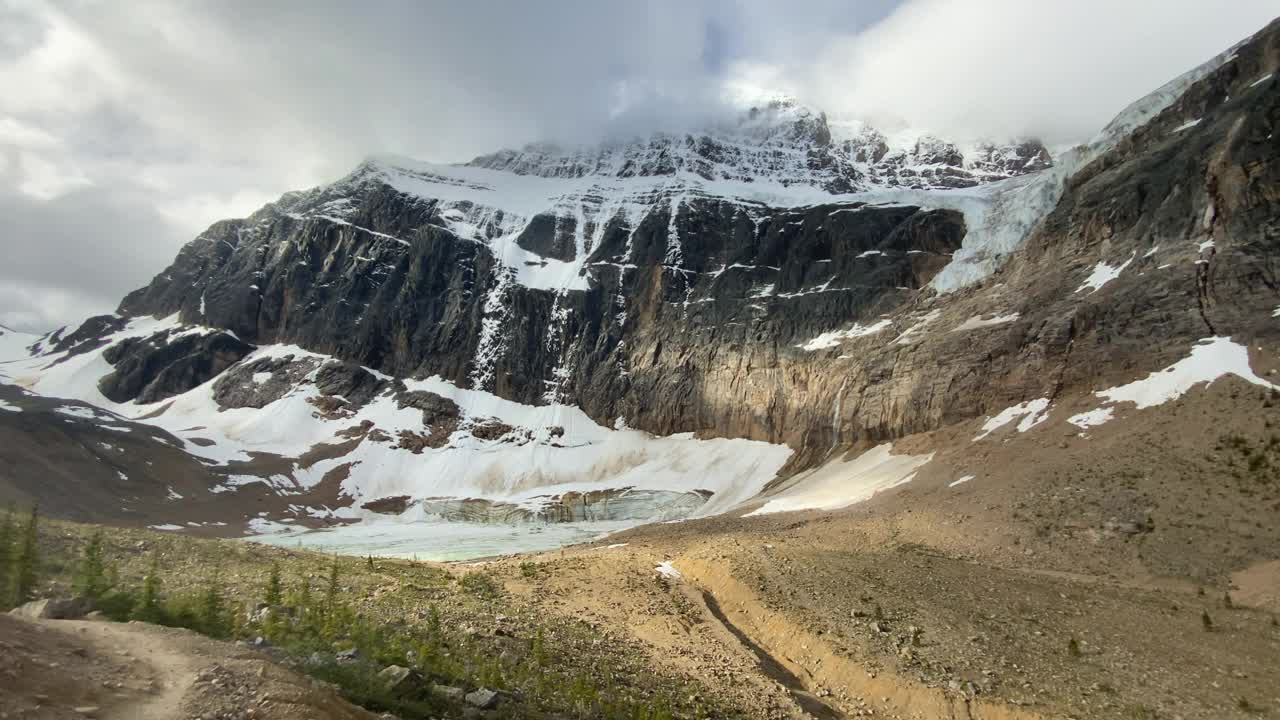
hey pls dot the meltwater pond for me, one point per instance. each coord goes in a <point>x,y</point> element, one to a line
<point>441,541</point>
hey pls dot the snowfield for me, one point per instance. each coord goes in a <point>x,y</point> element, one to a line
<point>579,456</point>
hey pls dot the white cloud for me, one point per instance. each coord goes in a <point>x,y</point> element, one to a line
<point>1059,70</point>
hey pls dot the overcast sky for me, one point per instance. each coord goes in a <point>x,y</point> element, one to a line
<point>128,127</point>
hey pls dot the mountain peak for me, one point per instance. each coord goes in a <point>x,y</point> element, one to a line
<point>784,142</point>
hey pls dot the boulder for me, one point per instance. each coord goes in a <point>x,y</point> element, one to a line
<point>53,609</point>
<point>398,679</point>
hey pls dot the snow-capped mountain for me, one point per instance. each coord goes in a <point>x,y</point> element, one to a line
<point>787,144</point>
<point>659,328</point>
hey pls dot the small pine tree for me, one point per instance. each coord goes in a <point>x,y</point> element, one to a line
<point>91,574</point>
<point>113,576</point>
<point>148,608</point>
<point>302,597</point>
<point>539,650</point>
<point>211,611</point>
<point>302,603</point>
<point>274,595</point>
<point>274,598</point>
<point>6,553</point>
<point>1226,600</point>
<point>330,610</point>
<point>27,560</point>
<point>434,630</point>
<point>1073,648</point>
<point>1205,620</point>
<point>331,591</point>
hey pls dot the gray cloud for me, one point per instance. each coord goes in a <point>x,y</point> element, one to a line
<point>77,254</point>
<point>123,133</point>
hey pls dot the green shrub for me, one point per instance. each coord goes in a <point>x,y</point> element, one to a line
<point>91,573</point>
<point>361,685</point>
<point>149,608</point>
<point>211,610</point>
<point>481,584</point>
<point>116,604</point>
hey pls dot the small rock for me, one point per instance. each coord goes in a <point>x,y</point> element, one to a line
<point>484,698</point>
<point>448,692</point>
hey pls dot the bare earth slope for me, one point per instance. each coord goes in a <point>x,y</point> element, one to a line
<point>936,599</point>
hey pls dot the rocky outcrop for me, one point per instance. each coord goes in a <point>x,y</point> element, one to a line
<point>261,382</point>
<point>167,364</point>
<point>90,335</point>
<point>357,385</point>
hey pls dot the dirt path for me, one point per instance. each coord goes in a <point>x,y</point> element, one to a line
<point>76,669</point>
<point>158,660</point>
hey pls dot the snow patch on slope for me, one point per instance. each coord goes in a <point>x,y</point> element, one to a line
<point>1031,412</point>
<point>1210,359</point>
<point>1091,418</point>
<point>833,338</point>
<point>977,321</point>
<point>910,335</point>
<point>1103,274</point>
<point>842,483</point>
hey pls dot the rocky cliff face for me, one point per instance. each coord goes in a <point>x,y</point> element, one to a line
<point>772,281</point>
<point>618,280</point>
